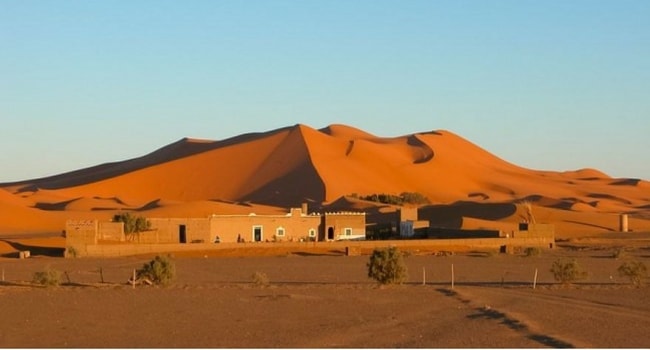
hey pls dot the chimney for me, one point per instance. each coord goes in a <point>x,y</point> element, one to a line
<point>304,208</point>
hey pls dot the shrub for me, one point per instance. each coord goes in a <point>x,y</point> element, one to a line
<point>636,271</point>
<point>49,277</point>
<point>491,253</point>
<point>260,279</point>
<point>386,266</point>
<point>414,198</point>
<point>71,252</point>
<point>161,270</point>
<point>533,251</point>
<point>401,199</point>
<point>619,253</point>
<point>567,271</point>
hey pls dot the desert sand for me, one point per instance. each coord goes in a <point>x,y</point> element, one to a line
<point>326,300</point>
<point>321,298</point>
<point>269,172</point>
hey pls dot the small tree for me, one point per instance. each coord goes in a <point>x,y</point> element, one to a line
<point>567,271</point>
<point>386,266</point>
<point>132,224</point>
<point>160,270</point>
<point>636,271</point>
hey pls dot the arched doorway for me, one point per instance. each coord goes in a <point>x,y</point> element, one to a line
<point>330,233</point>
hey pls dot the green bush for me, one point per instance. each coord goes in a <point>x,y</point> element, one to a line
<point>401,199</point>
<point>567,271</point>
<point>533,251</point>
<point>132,223</point>
<point>49,277</point>
<point>636,271</point>
<point>386,266</point>
<point>161,270</point>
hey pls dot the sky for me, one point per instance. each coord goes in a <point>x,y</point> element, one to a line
<point>548,85</point>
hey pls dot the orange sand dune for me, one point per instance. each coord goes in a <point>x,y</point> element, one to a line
<point>284,167</point>
<point>17,217</point>
<point>10,199</point>
<point>207,208</point>
<point>348,132</point>
<point>478,224</point>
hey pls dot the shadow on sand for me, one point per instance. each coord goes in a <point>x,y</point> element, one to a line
<point>33,249</point>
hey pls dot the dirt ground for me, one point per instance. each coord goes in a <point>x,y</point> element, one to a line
<point>327,300</point>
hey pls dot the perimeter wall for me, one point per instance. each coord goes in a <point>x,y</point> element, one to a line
<point>503,244</point>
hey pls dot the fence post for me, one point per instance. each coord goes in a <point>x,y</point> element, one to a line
<point>424,276</point>
<point>452,276</point>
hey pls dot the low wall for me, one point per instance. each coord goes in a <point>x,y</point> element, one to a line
<point>110,231</point>
<point>128,249</point>
<point>446,233</point>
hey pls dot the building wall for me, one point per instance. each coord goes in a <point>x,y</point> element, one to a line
<point>110,231</point>
<point>335,225</point>
<point>450,233</point>
<point>407,228</point>
<point>170,230</point>
<point>83,235</point>
<point>408,214</point>
<point>295,225</point>
<point>366,247</point>
<point>529,230</point>
<point>81,232</point>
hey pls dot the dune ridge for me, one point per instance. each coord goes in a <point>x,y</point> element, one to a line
<point>283,167</point>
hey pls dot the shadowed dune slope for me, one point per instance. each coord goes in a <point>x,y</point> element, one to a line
<point>185,147</point>
<point>228,170</point>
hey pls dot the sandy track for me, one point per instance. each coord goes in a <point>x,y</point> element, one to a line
<point>573,319</point>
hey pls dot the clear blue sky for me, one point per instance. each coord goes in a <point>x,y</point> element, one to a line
<point>550,85</point>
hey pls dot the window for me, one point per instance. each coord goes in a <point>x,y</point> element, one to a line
<point>279,231</point>
<point>312,232</point>
<point>347,231</point>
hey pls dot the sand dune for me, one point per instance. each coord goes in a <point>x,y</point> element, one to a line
<point>207,208</point>
<point>281,168</point>
<point>17,217</point>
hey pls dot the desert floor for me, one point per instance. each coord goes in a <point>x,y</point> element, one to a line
<point>326,300</point>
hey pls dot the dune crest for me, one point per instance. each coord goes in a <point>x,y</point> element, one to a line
<point>287,166</point>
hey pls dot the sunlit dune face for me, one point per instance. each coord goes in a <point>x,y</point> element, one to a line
<point>269,172</point>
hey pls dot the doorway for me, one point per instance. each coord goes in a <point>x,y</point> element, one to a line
<point>257,233</point>
<point>182,234</point>
<point>330,233</point>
